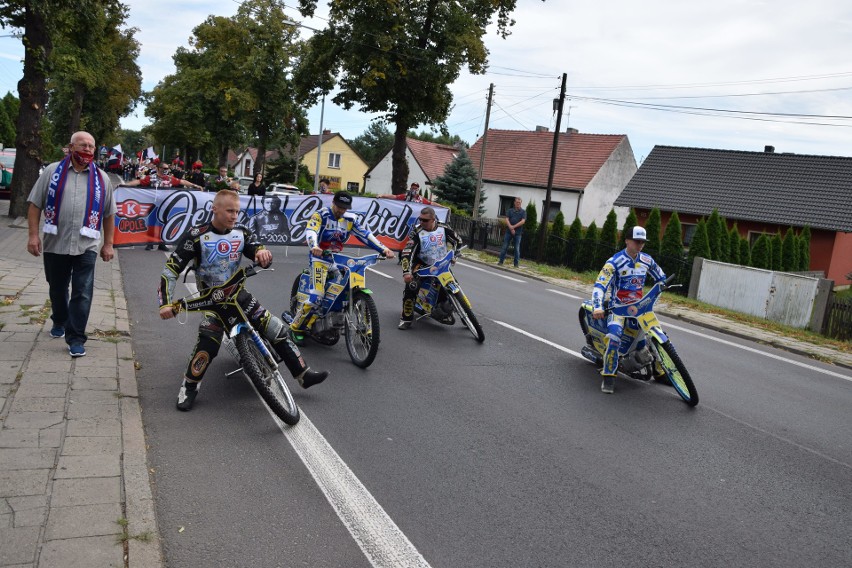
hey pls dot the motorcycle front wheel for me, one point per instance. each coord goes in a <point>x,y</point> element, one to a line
<point>267,380</point>
<point>676,372</point>
<point>466,315</point>
<point>362,329</point>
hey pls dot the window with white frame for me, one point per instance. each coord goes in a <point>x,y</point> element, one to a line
<point>334,160</point>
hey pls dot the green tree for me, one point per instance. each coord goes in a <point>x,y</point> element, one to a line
<point>374,143</point>
<point>398,59</point>
<point>700,245</point>
<point>790,251</point>
<point>556,241</point>
<point>724,250</point>
<point>653,227</point>
<point>734,245</point>
<point>745,252</point>
<point>775,248</point>
<point>7,127</point>
<point>39,21</point>
<point>458,184</point>
<point>529,242</point>
<point>761,253</point>
<point>574,237</point>
<point>94,78</point>
<point>233,86</point>
<point>672,244</point>
<point>714,235</point>
<point>805,249</point>
<point>629,223</point>
<point>608,239</point>
<point>439,138</point>
<point>588,248</point>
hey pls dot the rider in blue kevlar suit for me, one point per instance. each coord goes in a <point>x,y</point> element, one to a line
<point>327,230</point>
<point>623,276</point>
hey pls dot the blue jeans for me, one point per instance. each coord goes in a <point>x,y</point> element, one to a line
<point>78,271</point>
<point>510,237</point>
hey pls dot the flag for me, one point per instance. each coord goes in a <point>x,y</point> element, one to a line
<point>149,154</point>
<point>115,161</point>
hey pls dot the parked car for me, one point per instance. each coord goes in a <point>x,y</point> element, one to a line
<point>244,183</point>
<point>7,159</point>
<point>283,189</point>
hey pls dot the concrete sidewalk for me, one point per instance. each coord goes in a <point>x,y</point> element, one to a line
<point>74,484</point>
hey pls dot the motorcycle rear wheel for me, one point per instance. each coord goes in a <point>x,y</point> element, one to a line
<point>268,381</point>
<point>362,329</point>
<point>676,372</point>
<point>467,316</point>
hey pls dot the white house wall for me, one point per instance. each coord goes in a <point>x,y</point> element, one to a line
<point>493,191</point>
<point>379,180</point>
<point>606,186</point>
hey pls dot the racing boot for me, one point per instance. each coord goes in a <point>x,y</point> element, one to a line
<point>610,365</point>
<point>309,378</point>
<point>186,395</point>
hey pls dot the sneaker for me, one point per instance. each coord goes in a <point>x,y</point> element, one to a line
<point>57,331</point>
<point>149,247</point>
<point>186,396</point>
<point>608,384</point>
<point>163,247</point>
<point>310,378</point>
<point>404,324</point>
<point>77,350</point>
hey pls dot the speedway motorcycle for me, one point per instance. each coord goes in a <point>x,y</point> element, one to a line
<point>645,351</point>
<point>347,308</point>
<point>258,360</point>
<point>440,296</point>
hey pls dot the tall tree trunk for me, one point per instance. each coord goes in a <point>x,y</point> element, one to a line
<point>32,91</point>
<point>76,108</point>
<point>261,156</point>
<point>399,163</point>
<point>223,156</point>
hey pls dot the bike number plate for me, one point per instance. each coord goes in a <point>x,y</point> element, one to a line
<point>445,278</point>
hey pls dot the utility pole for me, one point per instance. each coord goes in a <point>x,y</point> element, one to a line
<point>319,146</point>
<point>482,155</point>
<point>542,230</point>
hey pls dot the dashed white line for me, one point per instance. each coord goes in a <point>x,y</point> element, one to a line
<point>380,273</point>
<point>492,272</point>
<point>565,294</point>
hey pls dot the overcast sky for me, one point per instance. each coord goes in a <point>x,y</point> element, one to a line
<point>779,68</point>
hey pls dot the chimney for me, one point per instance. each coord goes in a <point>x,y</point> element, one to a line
<point>769,149</point>
<point>542,129</point>
<point>570,130</point>
<point>324,132</point>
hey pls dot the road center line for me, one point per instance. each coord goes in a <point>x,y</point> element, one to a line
<point>379,538</point>
<point>759,352</point>
<point>492,272</point>
<point>537,338</point>
<point>380,273</point>
<point>565,294</point>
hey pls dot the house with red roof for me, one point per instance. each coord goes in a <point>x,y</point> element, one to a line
<point>591,171</point>
<point>426,161</point>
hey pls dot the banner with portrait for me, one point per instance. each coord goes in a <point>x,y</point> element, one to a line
<point>163,215</point>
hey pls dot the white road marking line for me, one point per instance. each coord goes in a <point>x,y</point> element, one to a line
<point>491,272</point>
<point>758,351</point>
<point>379,538</point>
<point>380,273</point>
<point>543,340</point>
<point>565,294</point>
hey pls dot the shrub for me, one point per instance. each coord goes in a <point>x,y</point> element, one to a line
<point>761,253</point>
<point>790,252</point>
<point>654,230</point>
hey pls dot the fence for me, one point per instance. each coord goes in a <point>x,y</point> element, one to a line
<point>838,319</point>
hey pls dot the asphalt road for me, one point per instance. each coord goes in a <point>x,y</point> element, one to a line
<point>500,454</point>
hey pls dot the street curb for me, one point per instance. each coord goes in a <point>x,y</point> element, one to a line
<point>144,548</point>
